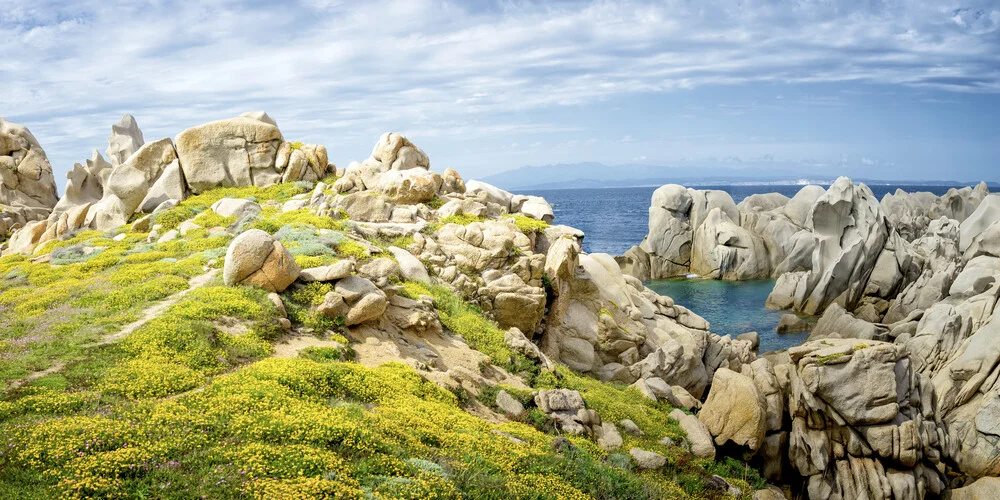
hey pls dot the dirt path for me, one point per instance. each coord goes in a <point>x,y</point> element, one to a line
<point>155,310</point>
<point>36,375</point>
<point>147,314</point>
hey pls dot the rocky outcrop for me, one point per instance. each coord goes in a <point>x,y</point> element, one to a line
<point>850,233</point>
<point>27,187</point>
<point>734,411</point>
<point>255,258</point>
<point>142,176</point>
<point>240,151</point>
<point>910,213</point>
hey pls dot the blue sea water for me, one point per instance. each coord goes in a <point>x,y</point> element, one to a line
<point>615,219</point>
<point>731,308</point>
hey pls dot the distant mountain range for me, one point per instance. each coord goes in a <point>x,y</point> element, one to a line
<point>598,175</point>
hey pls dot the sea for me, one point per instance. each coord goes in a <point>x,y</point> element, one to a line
<point>615,219</point>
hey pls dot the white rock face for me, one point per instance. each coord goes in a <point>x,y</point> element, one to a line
<point>127,188</point>
<point>27,186</point>
<point>910,213</point>
<point>973,228</point>
<point>226,152</point>
<point>255,258</point>
<point>850,232</point>
<point>124,141</point>
<point>704,232</point>
<point>724,250</point>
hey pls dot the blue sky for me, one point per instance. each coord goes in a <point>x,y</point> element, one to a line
<point>888,90</point>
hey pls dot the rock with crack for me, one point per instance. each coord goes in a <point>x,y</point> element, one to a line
<point>365,301</point>
<point>567,409</point>
<point>851,232</point>
<point>124,141</point>
<point>735,411</point>
<point>721,249</point>
<point>255,258</point>
<point>512,302</point>
<point>27,186</point>
<point>245,151</point>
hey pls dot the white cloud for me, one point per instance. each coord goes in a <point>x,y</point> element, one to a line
<point>340,73</point>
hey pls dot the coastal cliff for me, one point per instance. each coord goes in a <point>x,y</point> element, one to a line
<point>227,313</point>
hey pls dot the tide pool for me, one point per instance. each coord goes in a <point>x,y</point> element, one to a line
<point>731,308</point>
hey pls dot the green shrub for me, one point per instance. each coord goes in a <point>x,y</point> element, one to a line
<point>526,224</point>
<point>464,319</point>
<point>461,219</point>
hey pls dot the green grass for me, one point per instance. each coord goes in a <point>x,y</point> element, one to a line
<point>464,319</point>
<point>461,219</point>
<point>526,224</point>
<point>191,404</point>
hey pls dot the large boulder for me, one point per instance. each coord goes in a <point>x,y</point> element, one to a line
<point>255,258</point>
<point>226,152</point>
<point>364,300</point>
<point>972,229</point>
<point>850,232</point>
<point>124,141</point>
<point>735,411</point>
<point>27,186</point>
<point>239,151</point>
<point>724,250</point>
<point>668,242</point>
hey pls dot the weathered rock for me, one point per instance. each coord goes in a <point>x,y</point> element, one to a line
<point>365,300</point>
<point>851,232</point>
<point>235,207</point>
<point>838,323</point>
<point>722,249</point>
<point>513,303</point>
<point>734,411</point>
<point>365,206</point>
<point>987,488</point>
<point>791,323</point>
<point>973,227</point>
<point>533,206</point>
<point>338,270</point>
<point>486,194</point>
<point>698,435</point>
<point>124,141</point>
<point>256,258</point>
<point>647,460</point>
<point>508,404</point>
<point>27,186</point>
<point>410,267</point>
<point>566,407</point>
<point>226,152</point>
<point>607,436</point>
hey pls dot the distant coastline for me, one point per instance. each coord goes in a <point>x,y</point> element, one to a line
<point>596,176</point>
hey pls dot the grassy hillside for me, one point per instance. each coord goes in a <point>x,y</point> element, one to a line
<point>130,371</point>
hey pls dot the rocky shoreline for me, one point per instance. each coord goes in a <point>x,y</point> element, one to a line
<point>895,394</point>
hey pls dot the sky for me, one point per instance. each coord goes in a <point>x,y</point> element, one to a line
<point>895,90</point>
